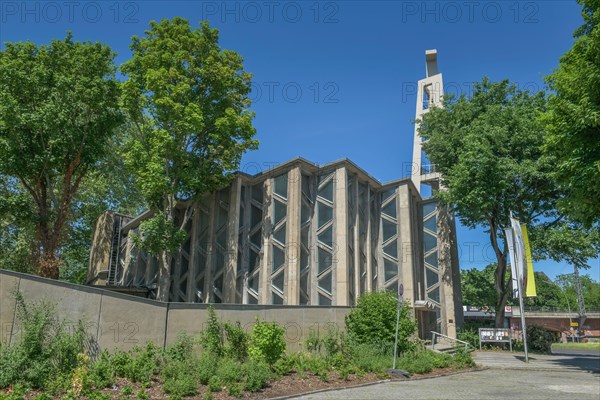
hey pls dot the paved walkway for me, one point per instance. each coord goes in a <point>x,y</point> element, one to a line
<point>545,377</point>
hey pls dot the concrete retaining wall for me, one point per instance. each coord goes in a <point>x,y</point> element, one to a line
<point>121,321</point>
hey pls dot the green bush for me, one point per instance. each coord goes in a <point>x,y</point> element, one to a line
<point>539,339</point>
<point>47,348</point>
<point>237,341</point>
<point>257,375</point>
<point>212,338</point>
<point>371,357</point>
<point>462,359</point>
<point>267,342</point>
<point>373,320</point>
<point>207,367</point>
<point>470,335</point>
<point>229,372</point>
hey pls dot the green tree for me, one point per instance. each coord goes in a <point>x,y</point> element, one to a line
<point>589,287</point>
<point>58,108</point>
<point>489,150</point>
<point>477,286</point>
<point>573,119</point>
<point>549,294</point>
<point>188,99</point>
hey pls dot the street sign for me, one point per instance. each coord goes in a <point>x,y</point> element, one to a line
<point>574,323</point>
<point>400,294</point>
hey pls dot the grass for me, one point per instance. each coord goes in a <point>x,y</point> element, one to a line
<point>576,346</point>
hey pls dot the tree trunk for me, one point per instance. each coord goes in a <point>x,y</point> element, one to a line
<point>500,275</point>
<point>48,265</point>
<point>164,276</point>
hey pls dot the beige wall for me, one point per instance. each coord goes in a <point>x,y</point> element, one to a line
<point>120,321</point>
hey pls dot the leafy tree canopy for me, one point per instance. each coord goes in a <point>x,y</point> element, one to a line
<point>59,105</point>
<point>573,119</point>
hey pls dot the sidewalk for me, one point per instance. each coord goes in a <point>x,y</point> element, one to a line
<point>565,363</point>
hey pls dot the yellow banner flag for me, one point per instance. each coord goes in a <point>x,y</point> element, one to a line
<point>530,290</point>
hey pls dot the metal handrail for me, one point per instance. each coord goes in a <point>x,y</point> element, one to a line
<point>447,337</point>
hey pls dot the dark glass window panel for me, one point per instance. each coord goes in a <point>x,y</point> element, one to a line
<point>363,284</point>
<point>278,280</point>
<point>390,209</point>
<point>324,301</point>
<point>428,208</point>
<point>203,220</point>
<point>387,194</point>
<point>279,234</point>
<point>184,265</point>
<point>389,229</point>
<point>305,214</point>
<point>222,217</point>
<point>325,282</point>
<point>222,239</point>
<point>325,214</point>
<point>257,193</point>
<point>306,186</point>
<point>280,185</point>
<point>255,216</point>
<point>256,238</point>
<point>218,299</point>
<point>326,191</point>
<point>187,244</point>
<point>435,295</point>
<point>325,260</point>
<point>252,300</point>
<point>304,236</point>
<point>304,259</point>
<point>304,300</point>
<point>219,283</point>
<point>253,260</point>
<point>278,258</point>
<point>242,219</point>
<point>391,249</point>
<point>429,242</point>
<point>277,299</point>
<point>304,281</point>
<point>326,237</point>
<point>183,288</point>
<point>243,194</point>
<point>431,224</point>
<point>390,269</point>
<point>432,259</point>
<point>279,210</point>
<point>253,284</point>
<point>432,277</point>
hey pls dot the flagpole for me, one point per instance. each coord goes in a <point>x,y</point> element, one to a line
<point>523,327</point>
<point>520,286</point>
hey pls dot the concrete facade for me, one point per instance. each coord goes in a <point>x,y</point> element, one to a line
<point>304,234</point>
<point>120,321</point>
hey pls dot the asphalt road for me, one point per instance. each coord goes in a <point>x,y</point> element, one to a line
<point>507,377</point>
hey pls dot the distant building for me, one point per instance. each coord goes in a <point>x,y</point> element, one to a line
<point>303,234</point>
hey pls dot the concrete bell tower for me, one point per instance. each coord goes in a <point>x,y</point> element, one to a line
<point>429,94</point>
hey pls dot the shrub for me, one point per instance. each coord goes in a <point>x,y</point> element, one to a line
<point>373,320</point>
<point>462,359</point>
<point>470,335</point>
<point>46,349</point>
<point>207,367</point>
<point>229,372</point>
<point>211,338</point>
<point>371,357</point>
<point>267,342</point>
<point>539,339</point>
<point>257,375</point>
<point>237,341</point>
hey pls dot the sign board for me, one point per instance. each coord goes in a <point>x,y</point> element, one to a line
<point>574,323</point>
<point>495,335</point>
<point>400,294</point>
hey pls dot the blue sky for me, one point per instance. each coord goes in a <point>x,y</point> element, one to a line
<point>336,79</point>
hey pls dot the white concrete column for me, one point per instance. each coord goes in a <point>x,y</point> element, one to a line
<point>264,291</point>
<point>294,205</point>
<point>340,268</point>
<point>233,229</point>
<point>408,242</point>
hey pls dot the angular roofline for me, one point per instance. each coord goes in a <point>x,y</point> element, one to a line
<point>313,167</point>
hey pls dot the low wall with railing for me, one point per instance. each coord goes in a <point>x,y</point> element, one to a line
<point>122,321</point>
